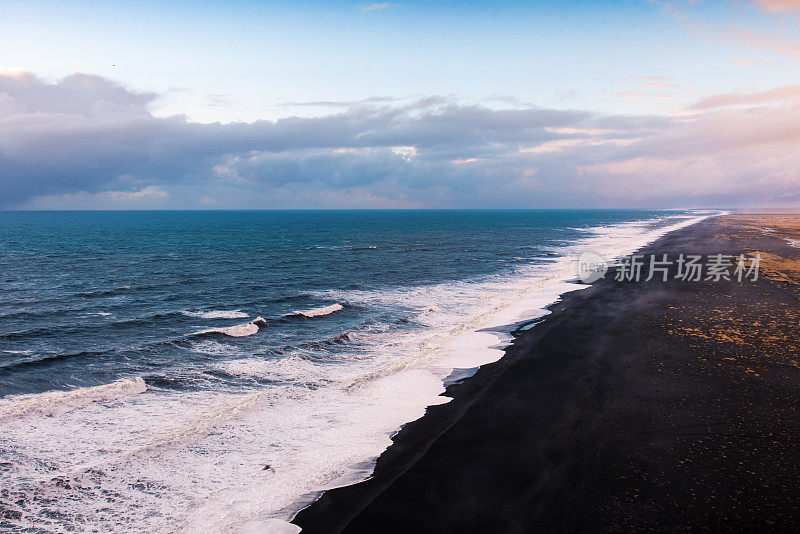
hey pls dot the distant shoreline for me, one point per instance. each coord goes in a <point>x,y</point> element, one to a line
<point>664,405</point>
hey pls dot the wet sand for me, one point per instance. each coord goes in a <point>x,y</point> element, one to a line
<point>666,406</point>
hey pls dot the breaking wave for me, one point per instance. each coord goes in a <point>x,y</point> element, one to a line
<point>317,312</point>
<point>60,402</point>
<point>216,314</point>
<point>239,330</point>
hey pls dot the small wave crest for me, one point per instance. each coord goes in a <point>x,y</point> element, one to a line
<point>239,330</point>
<point>59,402</point>
<point>317,312</point>
<point>216,314</point>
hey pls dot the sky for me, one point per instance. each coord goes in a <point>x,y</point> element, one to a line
<point>406,104</point>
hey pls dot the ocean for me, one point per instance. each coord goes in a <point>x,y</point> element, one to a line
<point>214,371</point>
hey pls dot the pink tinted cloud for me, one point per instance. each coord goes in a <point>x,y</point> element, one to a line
<point>747,157</point>
<point>779,5</point>
<point>776,94</point>
<point>780,43</point>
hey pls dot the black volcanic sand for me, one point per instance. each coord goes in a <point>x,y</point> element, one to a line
<point>634,406</point>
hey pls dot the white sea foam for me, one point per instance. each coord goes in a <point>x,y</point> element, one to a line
<point>239,330</point>
<point>316,312</point>
<point>467,329</point>
<point>216,314</point>
<point>216,348</point>
<point>195,461</point>
<point>60,402</point>
<point>287,369</point>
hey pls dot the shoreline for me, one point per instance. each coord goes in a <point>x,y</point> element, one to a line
<point>322,436</point>
<point>468,351</point>
<point>523,443</point>
<point>468,354</point>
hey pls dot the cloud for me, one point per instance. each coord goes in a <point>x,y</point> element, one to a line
<point>660,92</point>
<point>785,44</point>
<point>147,197</point>
<point>87,142</point>
<point>149,192</point>
<point>776,94</point>
<point>79,94</point>
<point>779,5</point>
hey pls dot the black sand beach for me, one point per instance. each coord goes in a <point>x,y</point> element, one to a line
<point>666,406</point>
